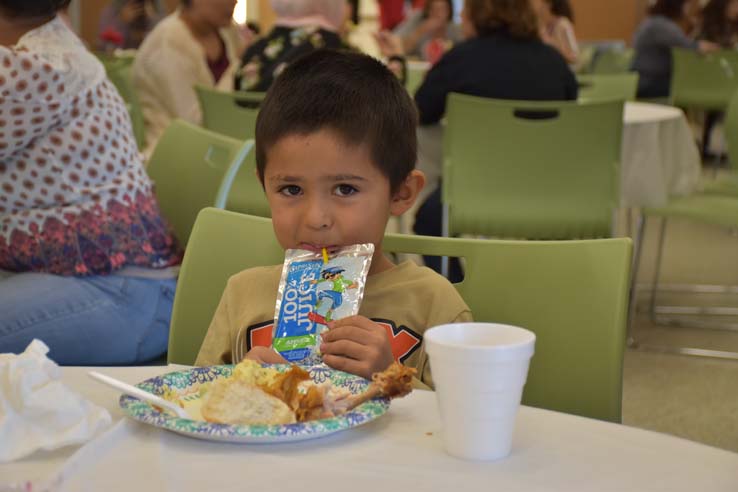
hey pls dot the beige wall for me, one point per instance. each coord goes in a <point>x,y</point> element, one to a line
<point>90,17</point>
<point>607,19</point>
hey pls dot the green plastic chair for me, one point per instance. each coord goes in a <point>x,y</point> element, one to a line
<point>509,176</point>
<point>222,244</point>
<point>587,54</point>
<point>234,114</point>
<point>597,87</point>
<point>612,61</point>
<point>705,82</point>
<point>119,71</point>
<point>229,113</point>
<point>715,210</point>
<point>572,294</point>
<point>193,168</point>
<point>415,75</point>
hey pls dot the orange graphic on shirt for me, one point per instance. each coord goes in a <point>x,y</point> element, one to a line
<point>403,340</point>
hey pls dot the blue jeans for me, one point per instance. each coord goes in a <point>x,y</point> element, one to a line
<point>98,320</point>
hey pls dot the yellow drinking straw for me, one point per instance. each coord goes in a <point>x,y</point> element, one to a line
<point>325,255</point>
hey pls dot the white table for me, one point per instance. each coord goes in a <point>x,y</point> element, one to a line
<point>659,156</point>
<point>400,451</point>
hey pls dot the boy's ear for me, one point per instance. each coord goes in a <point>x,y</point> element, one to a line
<point>404,198</point>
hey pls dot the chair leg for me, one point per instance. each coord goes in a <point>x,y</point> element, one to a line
<point>657,270</point>
<point>638,248</point>
<point>444,233</point>
<point>653,310</point>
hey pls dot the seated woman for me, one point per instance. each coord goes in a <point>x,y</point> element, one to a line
<point>197,45</point>
<point>301,27</point>
<point>500,33</point>
<point>85,257</point>
<point>125,23</point>
<point>666,27</point>
<point>555,19</point>
<point>429,32</point>
<point>720,23</point>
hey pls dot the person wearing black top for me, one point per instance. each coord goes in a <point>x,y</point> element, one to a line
<point>502,58</point>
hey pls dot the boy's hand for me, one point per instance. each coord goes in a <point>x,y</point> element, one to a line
<point>357,345</point>
<point>265,355</point>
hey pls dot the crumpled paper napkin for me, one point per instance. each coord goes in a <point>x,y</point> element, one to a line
<point>37,411</point>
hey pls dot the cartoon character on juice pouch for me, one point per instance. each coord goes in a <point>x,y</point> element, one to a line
<point>330,288</point>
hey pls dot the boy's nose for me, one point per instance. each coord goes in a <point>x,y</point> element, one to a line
<point>318,215</point>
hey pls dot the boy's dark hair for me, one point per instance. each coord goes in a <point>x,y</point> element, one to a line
<point>673,9</point>
<point>34,8</point>
<point>349,93</point>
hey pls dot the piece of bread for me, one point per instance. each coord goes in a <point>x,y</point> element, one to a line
<point>231,401</point>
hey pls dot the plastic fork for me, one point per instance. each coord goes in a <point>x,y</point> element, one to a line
<point>140,394</point>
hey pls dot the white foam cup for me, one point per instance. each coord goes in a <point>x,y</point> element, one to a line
<point>479,370</point>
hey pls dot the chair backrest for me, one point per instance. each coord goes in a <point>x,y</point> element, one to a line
<point>532,170</point>
<point>229,113</point>
<point>119,71</point>
<point>416,71</point>
<point>222,244</point>
<point>598,87</point>
<point>193,168</point>
<point>611,60</point>
<point>572,294</point>
<point>234,114</point>
<point>703,81</point>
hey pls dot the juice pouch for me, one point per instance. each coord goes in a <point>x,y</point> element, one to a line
<point>314,290</point>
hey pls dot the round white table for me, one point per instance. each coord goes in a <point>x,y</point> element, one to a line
<point>400,451</point>
<point>659,156</point>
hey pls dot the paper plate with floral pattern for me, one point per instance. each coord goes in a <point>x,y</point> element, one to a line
<point>185,386</point>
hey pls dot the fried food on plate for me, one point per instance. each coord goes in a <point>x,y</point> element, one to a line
<point>233,401</point>
<point>257,395</point>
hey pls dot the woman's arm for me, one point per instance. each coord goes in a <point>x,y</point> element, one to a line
<point>431,95</point>
<point>566,41</point>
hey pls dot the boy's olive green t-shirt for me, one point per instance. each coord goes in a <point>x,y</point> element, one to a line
<point>406,300</point>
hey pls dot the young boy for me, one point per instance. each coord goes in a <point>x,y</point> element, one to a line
<point>335,152</point>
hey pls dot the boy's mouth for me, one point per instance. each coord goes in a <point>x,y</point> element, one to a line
<point>318,248</point>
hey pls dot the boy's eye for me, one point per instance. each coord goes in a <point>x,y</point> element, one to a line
<point>345,190</point>
<point>290,190</point>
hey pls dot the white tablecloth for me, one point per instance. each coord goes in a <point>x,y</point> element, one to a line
<point>659,157</point>
<point>400,451</point>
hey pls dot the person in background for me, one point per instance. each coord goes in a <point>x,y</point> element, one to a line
<point>667,26</point>
<point>302,26</point>
<point>125,23</point>
<point>720,26</point>
<point>720,23</point>
<point>87,264</point>
<point>197,45</point>
<point>555,19</point>
<point>503,57</point>
<point>429,32</point>
<point>392,12</point>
